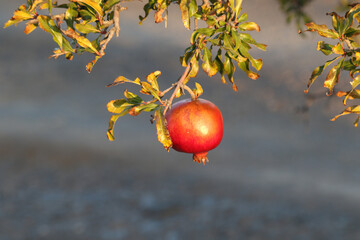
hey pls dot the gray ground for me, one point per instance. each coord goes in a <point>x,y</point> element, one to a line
<point>278,174</point>
<point>48,193</point>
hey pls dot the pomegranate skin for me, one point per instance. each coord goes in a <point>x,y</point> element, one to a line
<point>195,126</point>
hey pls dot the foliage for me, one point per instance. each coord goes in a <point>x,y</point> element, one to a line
<point>87,26</point>
<point>83,26</point>
<point>345,30</point>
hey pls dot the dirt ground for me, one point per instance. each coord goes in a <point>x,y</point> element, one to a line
<point>55,192</point>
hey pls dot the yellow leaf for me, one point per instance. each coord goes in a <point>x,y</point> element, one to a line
<point>94,5</point>
<point>162,131</point>
<point>22,15</point>
<point>82,41</point>
<point>353,109</point>
<point>35,4</point>
<point>110,131</point>
<point>185,13</point>
<point>19,16</point>
<point>199,90</point>
<point>118,106</point>
<point>44,6</point>
<point>250,26</point>
<point>29,28</point>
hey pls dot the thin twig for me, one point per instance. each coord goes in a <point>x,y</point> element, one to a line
<point>105,42</point>
<point>167,90</point>
<point>114,30</point>
<point>53,17</point>
<point>178,85</point>
<point>116,20</point>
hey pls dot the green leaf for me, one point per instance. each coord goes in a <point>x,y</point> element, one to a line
<point>325,48</point>
<point>147,107</point>
<point>193,8</point>
<point>242,18</point>
<point>189,52</point>
<point>256,63</point>
<point>208,65</point>
<point>49,26</point>
<point>162,131</point>
<point>228,42</point>
<point>333,77</point>
<point>236,38</point>
<point>86,28</point>
<point>349,65</point>
<point>351,14</point>
<point>147,8</point>
<point>220,66</point>
<point>238,8</point>
<point>246,68</point>
<point>109,4</point>
<point>229,69</point>
<point>132,98</point>
<point>245,37</point>
<point>229,66</point>
<point>352,32</point>
<point>338,23</point>
<point>206,31</point>
<point>70,14</point>
<point>87,15</point>
<point>90,3</point>
<point>119,106</point>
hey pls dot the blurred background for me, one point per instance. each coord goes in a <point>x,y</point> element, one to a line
<point>282,171</point>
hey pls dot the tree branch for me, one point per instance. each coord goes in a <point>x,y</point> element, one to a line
<point>179,84</point>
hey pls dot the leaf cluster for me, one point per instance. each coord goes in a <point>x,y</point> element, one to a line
<point>219,45</point>
<point>346,32</point>
<point>83,26</point>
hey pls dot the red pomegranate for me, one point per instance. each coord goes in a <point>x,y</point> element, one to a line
<point>195,126</point>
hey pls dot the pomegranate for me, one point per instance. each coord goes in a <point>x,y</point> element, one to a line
<point>195,126</point>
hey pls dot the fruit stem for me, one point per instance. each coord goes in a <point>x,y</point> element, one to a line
<point>192,94</point>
